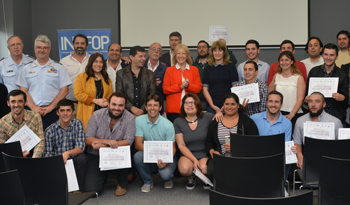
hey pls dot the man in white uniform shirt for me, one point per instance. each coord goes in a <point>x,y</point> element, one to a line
<point>76,62</point>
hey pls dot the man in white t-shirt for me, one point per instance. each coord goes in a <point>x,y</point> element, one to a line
<point>314,48</point>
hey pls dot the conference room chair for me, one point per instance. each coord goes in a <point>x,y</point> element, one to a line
<point>13,149</point>
<point>334,182</point>
<point>260,177</point>
<point>217,198</point>
<point>44,180</point>
<point>11,191</point>
<point>313,151</point>
<point>256,146</point>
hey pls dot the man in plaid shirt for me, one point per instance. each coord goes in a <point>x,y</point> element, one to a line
<point>66,137</point>
<point>250,73</point>
<point>17,118</point>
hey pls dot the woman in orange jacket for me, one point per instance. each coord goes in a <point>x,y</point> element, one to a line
<point>180,79</point>
<point>92,88</point>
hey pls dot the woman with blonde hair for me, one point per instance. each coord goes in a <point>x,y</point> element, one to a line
<point>180,79</point>
<point>92,88</point>
<point>289,81</point>
<point>218,77</point>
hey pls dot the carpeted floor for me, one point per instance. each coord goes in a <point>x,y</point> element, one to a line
<point>178,195</point>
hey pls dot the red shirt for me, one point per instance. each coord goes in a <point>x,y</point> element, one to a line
<point>273,67</point>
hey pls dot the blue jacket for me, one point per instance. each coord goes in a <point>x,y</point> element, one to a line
<point>160,71</point>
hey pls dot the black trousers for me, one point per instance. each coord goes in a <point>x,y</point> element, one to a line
<point>80,165</point>
<point>95,179</point>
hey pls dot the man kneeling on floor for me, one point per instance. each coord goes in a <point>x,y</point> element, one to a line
<point>108,127</point>
<point>154,127</point>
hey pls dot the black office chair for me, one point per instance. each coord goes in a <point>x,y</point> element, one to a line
<point>313,151</point>
<point>256,146</point>
<point>260,177</point>
<point>217,198</point>
<point>334,182</point>
<point>11,191</point>
<point>44,180</point>
<point>13,149</point>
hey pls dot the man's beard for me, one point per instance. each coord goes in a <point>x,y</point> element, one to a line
<point>79,52</point>
<point>317,113</point>
<point>203,56</point>
<point>115,116</point>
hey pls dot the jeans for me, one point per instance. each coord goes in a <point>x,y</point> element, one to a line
<point>145,169</point>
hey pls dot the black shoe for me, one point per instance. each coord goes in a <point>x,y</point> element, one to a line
<point>191,183</point>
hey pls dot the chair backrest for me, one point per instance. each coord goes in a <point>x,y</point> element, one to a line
<point>334,181</point>
<point>256,146</point>
<point>13,149</point>
<point>217,198</point>
<point>315,149</point>
<point>260,177</point>
<point>11,191</point>
<point>44,180</point>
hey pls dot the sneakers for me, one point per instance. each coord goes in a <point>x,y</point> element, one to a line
<point>206,186</point>
<point>146,187</point>
<point>168,184</point>
<point>191,183</point>
<point>120,191</point>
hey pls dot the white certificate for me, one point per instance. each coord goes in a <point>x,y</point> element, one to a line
<point>27,138</point>
<point>71,176</point>
<point>249,92</point>
<point>291,158</point>
<point>154,150</point>
<point>216,32</point>
<point>319,130</point>
<point>344,133</point>
<point>205,179</point>
<point>326,86</point>
<point>115,158</point>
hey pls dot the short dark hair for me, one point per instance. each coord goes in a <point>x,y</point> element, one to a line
<point>308,41</point>
<point>15,93</point>
<point>197,103</point>
<point>81,36</point>
<point>203,41</point>
<point>318,93</point>
<point>155,98</point>
<point>285,42</point>
<point>112,44</point>
<point>344,32</point>
<point>177,34</point>
<point>118,94</point>
<point>331,46</point>
<point>64,102</point>
<point>275,92</point>
<point>252,41</point>
<point>133,50</point>
<point>236,98</point>
<point>252,62</point>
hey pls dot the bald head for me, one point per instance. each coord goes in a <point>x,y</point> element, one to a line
<point>114,52</point>
<point>155,51</point>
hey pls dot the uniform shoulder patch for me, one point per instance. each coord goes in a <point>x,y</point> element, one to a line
<point>30,56</point>
<point>2,58</point>
<point>28,63</point>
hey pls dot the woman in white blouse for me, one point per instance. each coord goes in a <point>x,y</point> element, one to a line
<point>289,81</point>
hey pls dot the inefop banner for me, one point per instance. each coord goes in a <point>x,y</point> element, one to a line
<point>99,40</point>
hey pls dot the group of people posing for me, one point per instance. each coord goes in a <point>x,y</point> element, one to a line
<point>86,102</point>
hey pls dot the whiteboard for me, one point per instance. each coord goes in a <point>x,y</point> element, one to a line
<point>267,21</point>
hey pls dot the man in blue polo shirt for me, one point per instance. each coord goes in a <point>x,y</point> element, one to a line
<point>272,122</point>
<point>154,127</point>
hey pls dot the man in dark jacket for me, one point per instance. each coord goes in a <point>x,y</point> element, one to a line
<point>136,82</point>
<point>338,104</point>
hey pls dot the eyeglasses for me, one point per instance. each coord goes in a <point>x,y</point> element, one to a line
<point>199,47</point>
<point>40,48</point>
<point>17,44</point>
<point>158,49</point>
<point>189,102</point>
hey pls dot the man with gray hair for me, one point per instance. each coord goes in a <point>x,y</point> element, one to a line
<point>44,81</point>
<point>11,66</point>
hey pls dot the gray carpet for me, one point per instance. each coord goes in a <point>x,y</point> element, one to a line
<point>158,195</point>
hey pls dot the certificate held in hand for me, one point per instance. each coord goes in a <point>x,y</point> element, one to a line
<point>249,92</point>
<point>154,150</point>
<point>326,86</point>
<point>26,137</point>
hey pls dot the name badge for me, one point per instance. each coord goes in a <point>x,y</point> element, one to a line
<point>9,71</point>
